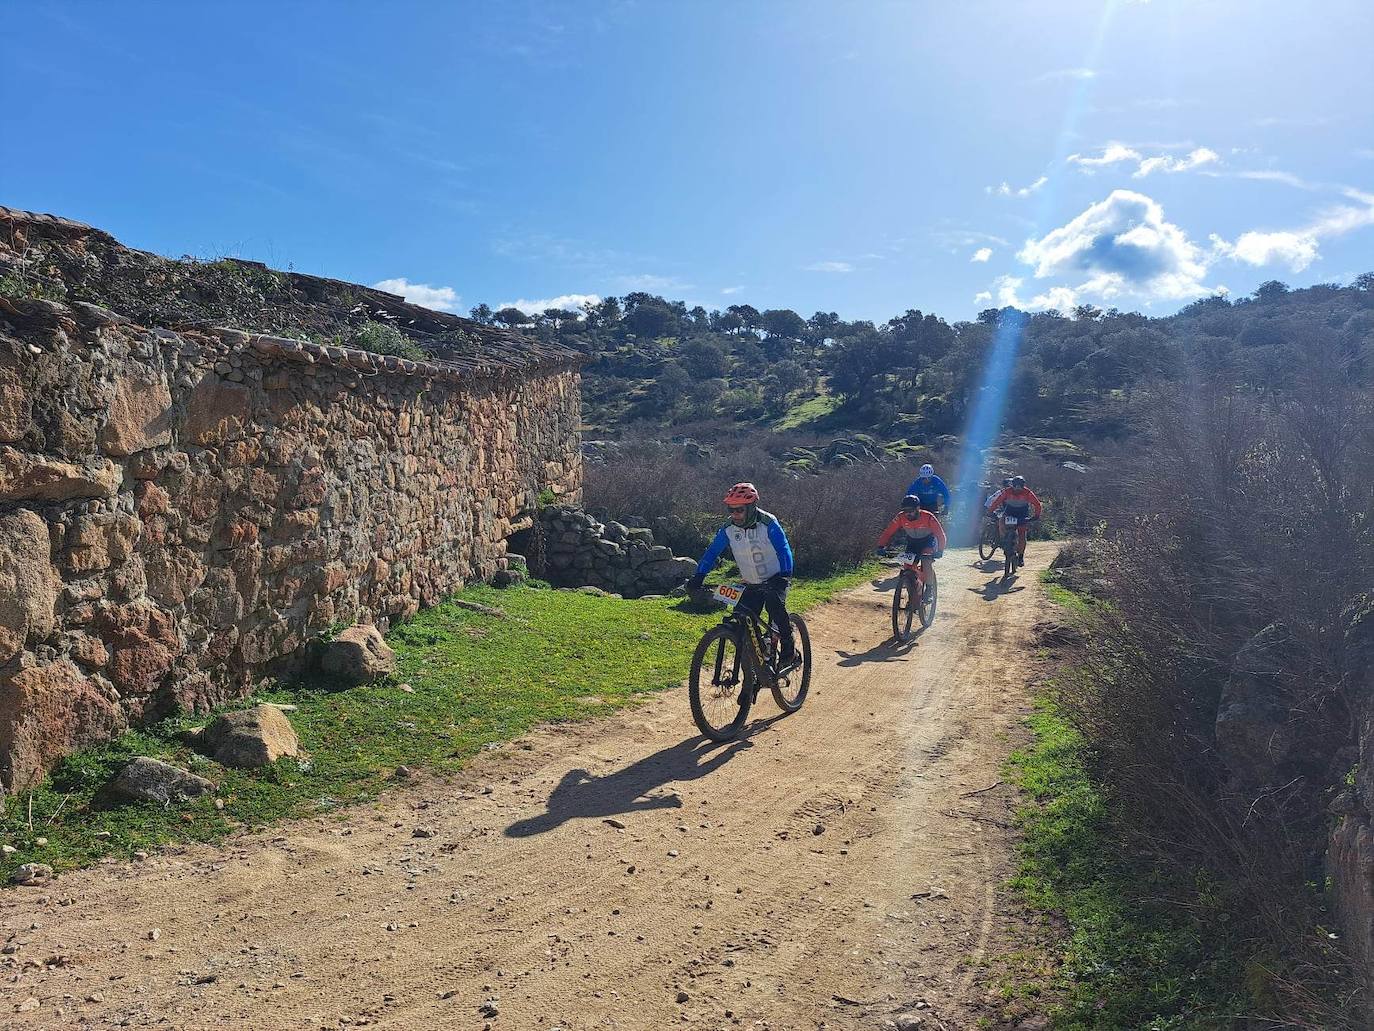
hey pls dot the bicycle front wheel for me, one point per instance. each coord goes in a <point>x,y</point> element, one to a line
<point>789,690</point>
<point>720,686</point>
<point>903,605</point>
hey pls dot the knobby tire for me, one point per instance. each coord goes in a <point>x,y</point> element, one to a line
<point>799,679</point>
<point>706,698</point>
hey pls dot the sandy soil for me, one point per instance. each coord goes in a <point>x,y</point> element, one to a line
<point>836,868</point>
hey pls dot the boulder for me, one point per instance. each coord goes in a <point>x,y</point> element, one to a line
<point>250,738</point>
<point>29,585</point>
<point>358,655</point>
<point>46,711</point>
<point>152,780</point>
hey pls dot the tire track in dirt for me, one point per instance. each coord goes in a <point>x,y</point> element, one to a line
<point>824,870</point>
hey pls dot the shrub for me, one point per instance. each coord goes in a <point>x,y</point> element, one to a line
<point>381,338</point>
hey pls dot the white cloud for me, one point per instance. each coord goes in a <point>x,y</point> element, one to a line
<point>981,296</point>
<point>1273,176</point>
<point>981,254</point>
<point>829,266</point>
<point>728,290</point>
<point>1124,245</point>
<point>1067,73</point>
<point>651,284</point>
<point>1299,248</point>
<point>566,302</point>
<point>1007,190</point>
<point>1111,154</point>
<point>437,298</point>
<point>1116,153</point>
<point>1167,163</point>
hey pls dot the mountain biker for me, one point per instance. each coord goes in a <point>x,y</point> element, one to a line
<point>760,548</point>
<point>929,488</point>
<point>1016,500</point>
<point>992,495</point>
<point>923,532</point>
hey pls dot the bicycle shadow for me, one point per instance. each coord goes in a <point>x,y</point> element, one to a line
<point>890,650</point>
<point>996,587</point>
<point>584,795</point>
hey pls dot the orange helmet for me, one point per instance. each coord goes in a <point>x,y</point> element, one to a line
<point>742,494</point>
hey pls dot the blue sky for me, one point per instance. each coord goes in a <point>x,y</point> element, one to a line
<point>864,157</point>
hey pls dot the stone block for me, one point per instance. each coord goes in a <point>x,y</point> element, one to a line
<point>152,780</point>
<point>358,655</point>
<point>46,711</point>
<point>138,417</point>
<point>25,477</point>
<point>250,738</point>
<point>29,585</point>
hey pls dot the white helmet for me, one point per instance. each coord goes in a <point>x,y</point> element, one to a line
<point>927,470</point>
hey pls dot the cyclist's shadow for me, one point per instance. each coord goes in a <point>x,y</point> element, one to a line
<point>581,795</point>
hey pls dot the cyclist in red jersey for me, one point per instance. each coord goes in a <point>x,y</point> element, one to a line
<point>1020,501</point>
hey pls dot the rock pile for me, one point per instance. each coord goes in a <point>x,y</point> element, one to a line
<point>575,550</point>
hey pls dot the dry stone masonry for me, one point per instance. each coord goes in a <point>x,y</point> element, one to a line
<point>572,549</point>
<point>181,511</point>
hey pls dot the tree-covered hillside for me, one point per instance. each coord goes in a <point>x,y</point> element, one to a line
<point>658,361</point>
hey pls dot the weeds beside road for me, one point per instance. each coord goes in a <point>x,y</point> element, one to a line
<point>474,679</point>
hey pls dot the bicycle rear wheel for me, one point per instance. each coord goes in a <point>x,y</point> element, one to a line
<point>926,607</point>
<point>720,686</point>
<point>789,691</point>
<point>904,605</point>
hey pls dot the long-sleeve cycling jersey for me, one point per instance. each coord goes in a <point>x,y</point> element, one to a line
<point>1020,502</point>
<point>929,490</point>
<point>760,551</point>
<point>923,525</point>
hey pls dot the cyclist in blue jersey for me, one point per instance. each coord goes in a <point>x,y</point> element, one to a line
<point>760,549</point>
<point>929,488</point>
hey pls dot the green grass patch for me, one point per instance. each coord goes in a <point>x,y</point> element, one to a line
<point>1124,962</point>
<point>803,414</point>
<point>476,679</point>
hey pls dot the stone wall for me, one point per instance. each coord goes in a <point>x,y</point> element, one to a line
<point>570,548</point>
<point>180,512</point>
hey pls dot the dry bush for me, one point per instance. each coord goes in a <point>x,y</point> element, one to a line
<point>832,518</point>
<point>1244,511</point>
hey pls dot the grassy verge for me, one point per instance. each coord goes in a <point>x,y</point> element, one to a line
<point>474,678</point>
<point>1123,961</point>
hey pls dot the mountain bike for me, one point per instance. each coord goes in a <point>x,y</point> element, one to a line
<point>911,600</point>
<point>988,542</point>
<point>736,659</point>
<point>1013,561</point>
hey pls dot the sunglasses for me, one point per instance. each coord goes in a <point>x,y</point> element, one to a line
<point>732,509</point>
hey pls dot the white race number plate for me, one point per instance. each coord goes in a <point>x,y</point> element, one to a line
<point>729,594</point>
<point>1012,520</point>
<point>908,558</point>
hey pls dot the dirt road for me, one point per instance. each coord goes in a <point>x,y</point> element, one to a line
<point>833,869</point>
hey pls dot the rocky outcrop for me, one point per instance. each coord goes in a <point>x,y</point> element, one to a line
<point>152,780</point>
<point>249,738</point>
<point>572,549</point>
<point>182,511</point>
<point>358,655</point>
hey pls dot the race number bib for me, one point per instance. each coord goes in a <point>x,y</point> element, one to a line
<point>908,558</point>
<point>729,594</point>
